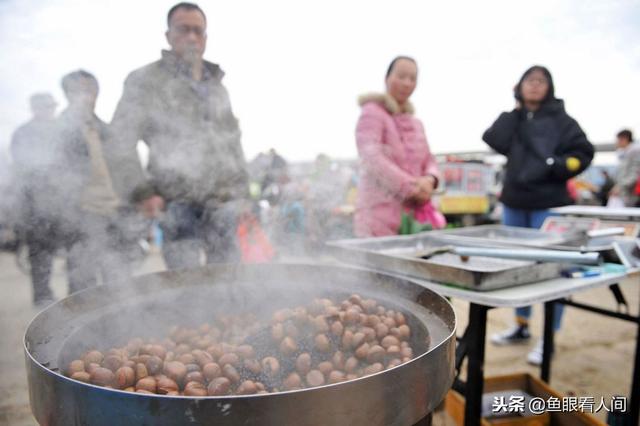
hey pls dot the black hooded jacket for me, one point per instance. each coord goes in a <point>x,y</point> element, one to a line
<point>537,146</point>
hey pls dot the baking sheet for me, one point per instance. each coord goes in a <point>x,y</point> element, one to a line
<point>402,255</point>
<point>570,236</point>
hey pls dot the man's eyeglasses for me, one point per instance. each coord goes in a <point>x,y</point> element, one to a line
<point>186,29</point>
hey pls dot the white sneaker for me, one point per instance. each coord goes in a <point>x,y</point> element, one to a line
<point>534,357</point>
<point>514,335</point>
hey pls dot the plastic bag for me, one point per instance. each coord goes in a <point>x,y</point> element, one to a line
<point>428,214</point>
<point>409,225</point>
<point>254,243</point>
<point>422,219</point>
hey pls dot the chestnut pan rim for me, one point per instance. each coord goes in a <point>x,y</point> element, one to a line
<point>444,341</point>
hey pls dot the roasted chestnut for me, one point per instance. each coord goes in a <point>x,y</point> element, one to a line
<point>102,377</point>
<point>271,366</point>
<point>125,377</point>
<point>219,386</point>
<point>195,389</point>
<point>315,378</point>
<point>211,371</point>
<point>303,363</point>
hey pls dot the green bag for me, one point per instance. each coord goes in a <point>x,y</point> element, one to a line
<point>409,225</point>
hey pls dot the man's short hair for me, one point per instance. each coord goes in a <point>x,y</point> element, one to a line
<point>185,6</point>
<point>626,133</point>
<point>70,80</point>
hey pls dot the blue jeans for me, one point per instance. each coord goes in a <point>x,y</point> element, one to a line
<point>530,219</point>
<point>293,217</point>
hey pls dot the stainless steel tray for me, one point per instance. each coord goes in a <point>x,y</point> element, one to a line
<point>502,235</point>
<point>625,213</point>
<point>628,251</point>
<point>512,236</point>
<point>401,255</point>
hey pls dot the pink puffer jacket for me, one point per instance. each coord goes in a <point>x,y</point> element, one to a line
<point>393,153</point>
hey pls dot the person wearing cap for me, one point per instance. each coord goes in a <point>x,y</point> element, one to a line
<point>179,107</point>
<point>545,147</point>
<point>32,153</point>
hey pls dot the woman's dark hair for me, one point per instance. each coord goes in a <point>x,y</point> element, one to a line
<point>550,92</point>
<point>396,59</point>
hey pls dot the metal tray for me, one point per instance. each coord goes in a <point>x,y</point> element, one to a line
<point>401,255</point>
<point>624,213</point>
<point>512,236</point>
<point>628,251</point>
<point>502,235</point>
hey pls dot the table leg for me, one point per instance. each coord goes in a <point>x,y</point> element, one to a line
<point>476,333</point>
<point>634,404</point>
<point>547,348</point>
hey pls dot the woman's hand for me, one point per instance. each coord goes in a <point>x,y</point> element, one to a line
<point>427,184</point>
<point>423,190</point>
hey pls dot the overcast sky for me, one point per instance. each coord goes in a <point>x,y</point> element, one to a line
<point>295,68</point>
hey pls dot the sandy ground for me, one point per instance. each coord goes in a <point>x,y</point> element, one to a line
<point>594,354</point>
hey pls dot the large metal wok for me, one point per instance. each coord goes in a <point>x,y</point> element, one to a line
<point>105,316</point>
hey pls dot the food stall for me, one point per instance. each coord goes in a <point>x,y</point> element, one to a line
<point>499,266</point>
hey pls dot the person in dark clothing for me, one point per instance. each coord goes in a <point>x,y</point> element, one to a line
<point>276,168</point>
<point>32,153</point>
<point>545,147</point>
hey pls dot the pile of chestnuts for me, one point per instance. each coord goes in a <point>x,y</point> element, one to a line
<point>307,346</point>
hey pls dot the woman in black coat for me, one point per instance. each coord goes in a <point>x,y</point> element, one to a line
<point>545,148</point>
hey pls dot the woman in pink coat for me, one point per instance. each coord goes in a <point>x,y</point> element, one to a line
<point>398,171</point>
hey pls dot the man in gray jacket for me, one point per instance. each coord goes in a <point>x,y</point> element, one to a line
<point>180,109</point>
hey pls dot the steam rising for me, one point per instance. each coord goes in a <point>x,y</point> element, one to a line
<point>154,304</point>
<point>46,179</point>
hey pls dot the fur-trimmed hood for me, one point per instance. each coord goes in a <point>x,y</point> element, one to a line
<point>387,102</point>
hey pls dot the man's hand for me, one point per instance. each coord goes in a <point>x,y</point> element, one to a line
<point>151,207</point>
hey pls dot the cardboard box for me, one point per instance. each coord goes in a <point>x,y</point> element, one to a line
<point>455,403</point>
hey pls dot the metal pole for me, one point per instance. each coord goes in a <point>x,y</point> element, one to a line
<point>477,330</point>
<point>601,311</point>
<point>634,404</point>
<point>590,258</point>
<point>547,343</point>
